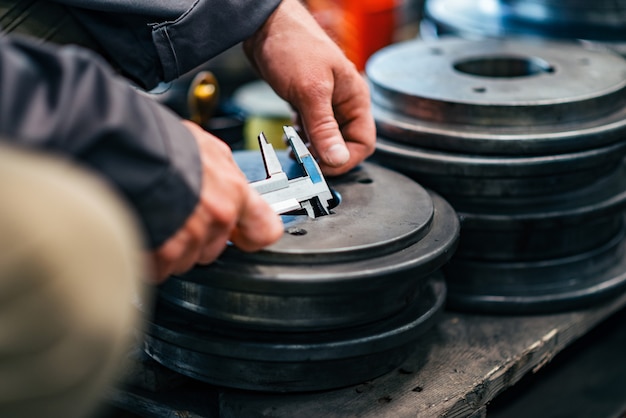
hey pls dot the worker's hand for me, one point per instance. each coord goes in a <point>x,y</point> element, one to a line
<point>228,209</point>
<point>307,69</point>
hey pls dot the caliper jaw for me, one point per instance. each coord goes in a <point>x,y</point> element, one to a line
<point>284,195</point>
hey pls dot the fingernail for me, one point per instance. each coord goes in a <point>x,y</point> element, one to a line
<point>337,155</point>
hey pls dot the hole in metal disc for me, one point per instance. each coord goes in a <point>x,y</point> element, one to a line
<point>336,200</point>
<point>479,89</point>
<point>503,67</point>
<point>365,181</point>
<point>296,231</point>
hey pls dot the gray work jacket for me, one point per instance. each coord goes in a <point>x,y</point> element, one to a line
<point>155,40</point>
<point>68,101</point>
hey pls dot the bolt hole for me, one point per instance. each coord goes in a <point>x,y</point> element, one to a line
<point>336,200</point>
<point>296,231</point>
<point>479,89</point>
<point>366,180</point>
<point>503,67</point>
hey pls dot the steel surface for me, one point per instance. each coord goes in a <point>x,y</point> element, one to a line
<point>505,97</point>
<point>365,261</point>
<point>527,141</point>
<point>540,286</point>
<point>292,362</point>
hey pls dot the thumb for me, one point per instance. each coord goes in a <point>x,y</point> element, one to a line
<point>321,127</point>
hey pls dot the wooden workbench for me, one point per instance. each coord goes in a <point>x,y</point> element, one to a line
<point>458,368</point>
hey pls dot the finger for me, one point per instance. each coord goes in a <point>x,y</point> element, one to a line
<point>352,108</point>
<point>164,258</point>
<point>318,119</point>
<point>258,225</point>
<point>214,245</point>
<point>360,137</point>
<point>159,270</point>
<point>182,251</point>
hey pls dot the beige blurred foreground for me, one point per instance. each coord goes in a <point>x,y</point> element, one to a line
<point>70,270</point>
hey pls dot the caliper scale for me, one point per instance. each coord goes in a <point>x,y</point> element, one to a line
<point>359,284</point>
<point>309,192</point>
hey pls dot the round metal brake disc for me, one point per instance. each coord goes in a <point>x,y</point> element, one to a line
<point>292,362</point>
<point>363,262</point>
<point>357,286</point>
<point>526,140</point>
<point>502,97</point>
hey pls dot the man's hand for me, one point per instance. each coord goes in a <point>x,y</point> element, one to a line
<point>307,69</point>
<point>228,209</point>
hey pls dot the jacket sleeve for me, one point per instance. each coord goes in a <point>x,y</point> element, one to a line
<point>67,101</point>
<point>160,40</point>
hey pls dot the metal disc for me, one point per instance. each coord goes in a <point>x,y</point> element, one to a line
<point>550,226</point>
<point>355,230</point>
<point>505,97</point>
<point>525,139</point>
<point>471,175</point>
<point>535,240</point>
<point>540,286</point>
<point>362,263</point>
<point>601,20</point>
<point>292,362</point>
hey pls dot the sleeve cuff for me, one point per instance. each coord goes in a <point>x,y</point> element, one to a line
<point>206,30</point>
<point>166,206</point>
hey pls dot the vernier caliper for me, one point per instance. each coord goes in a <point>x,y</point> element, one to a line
<point>285,195</point>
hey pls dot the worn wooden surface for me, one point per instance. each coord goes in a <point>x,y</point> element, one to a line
<point>461,365</point>
<point>587,379</point>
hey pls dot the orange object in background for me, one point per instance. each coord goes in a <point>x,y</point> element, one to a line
<point>360,27</point>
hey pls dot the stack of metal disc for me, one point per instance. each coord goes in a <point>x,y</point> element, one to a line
<point>600,22</point>
<point>340,299</point>
<point>526,141</point>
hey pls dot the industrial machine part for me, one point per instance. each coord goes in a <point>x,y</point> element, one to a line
<point>526,141</point>
<point>499,97</point>
<point>295,361</point>
<point>600,22</point>
<point>550,285</point>
<point>355,287</point>
<point>364,262</point>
